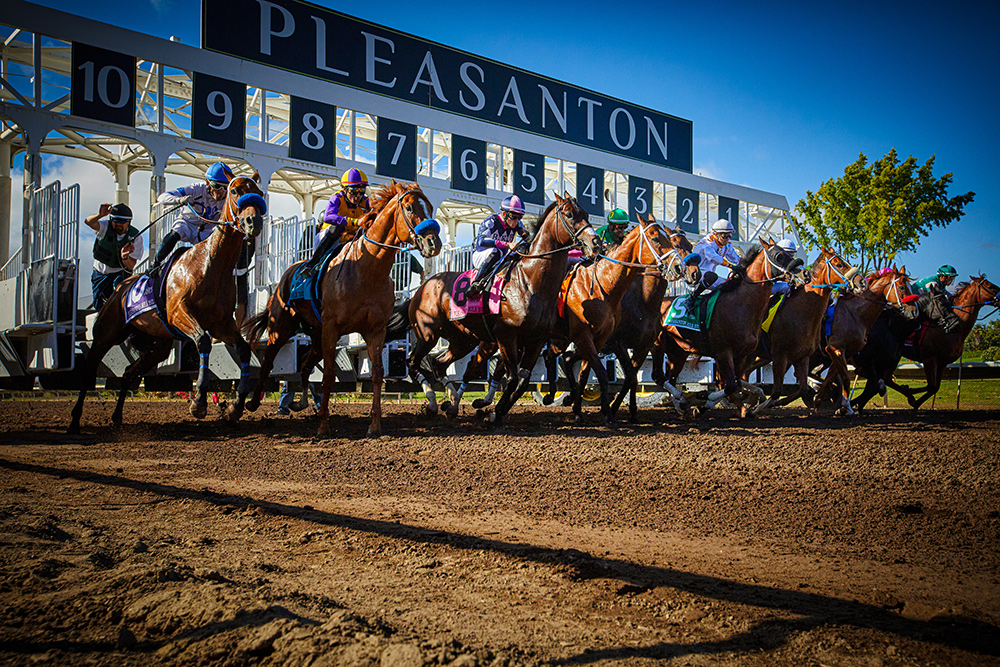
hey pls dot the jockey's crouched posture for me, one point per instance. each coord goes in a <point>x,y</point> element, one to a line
<point>936,286</point>
<point>205,201</point>
<point>342,218</point>
<point>714,250</point>
<point>496,239</point>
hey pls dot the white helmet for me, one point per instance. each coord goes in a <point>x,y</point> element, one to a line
<point>722,225</point>
<point>788,245</point>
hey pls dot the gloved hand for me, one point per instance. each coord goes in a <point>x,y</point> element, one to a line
<point>186,199</point>
<point>501,245</point>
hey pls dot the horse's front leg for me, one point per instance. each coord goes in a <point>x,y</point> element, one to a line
<point>330,336</point>
<point>730,383</point>
<point>280,329</point>
<point>375,345</point>
<point>158,350</point>
<point>305,370</point>
<point>199,406</point>
<point>243,353</point>
<point>521,378</point>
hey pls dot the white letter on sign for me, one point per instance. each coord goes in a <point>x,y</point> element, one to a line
<point>265,25</point>
<point>652,134</point>
<point>434,81</point>
<point>512,91</point>
<point>590,114</point>
<point>613,126</point>
<point>371,59</point>
<point>548,101</point>
<point>463,71</point>
<point>321,48</point>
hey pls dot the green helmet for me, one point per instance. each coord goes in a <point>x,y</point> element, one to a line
<point>947,270</point>
<point>618,217</point>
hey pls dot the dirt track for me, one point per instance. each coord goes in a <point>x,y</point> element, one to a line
<point>783,540</point>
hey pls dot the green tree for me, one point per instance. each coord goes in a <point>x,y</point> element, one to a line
<point>877,210</point>
<point>984,336</point>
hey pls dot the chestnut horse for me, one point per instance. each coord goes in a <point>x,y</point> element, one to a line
<point>853,316</point>
<point>593,307</point>
<point>357,296</point>
<point>938,349</point>
<point>734,329</point>
<point>527,310</point>
<point>200,304</point>
<point>794,334</point>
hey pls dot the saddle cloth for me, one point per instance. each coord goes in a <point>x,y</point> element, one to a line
<point>462,304</point>
<point>766,326</point>
<point>699,320</point>
<point>307,288</point>
<point>149,292</point>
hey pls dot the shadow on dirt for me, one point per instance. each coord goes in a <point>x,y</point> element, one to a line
<point>816,610</point>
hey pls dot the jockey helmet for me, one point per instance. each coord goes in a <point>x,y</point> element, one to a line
<point>120,213</point>
<point>354,178</point>
<point>788,245</point>
<point>722,226</point>
<point>618,217</point>
<point>947,270</point>
<point>512,204</point>
<point>219,173</point>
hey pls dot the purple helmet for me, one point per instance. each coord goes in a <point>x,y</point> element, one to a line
<point>513,204</point>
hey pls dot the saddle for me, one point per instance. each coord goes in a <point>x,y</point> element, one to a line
<point>463,304</point>
<point>149,292</point>
<point>307,288</point>
<point>696,317</point>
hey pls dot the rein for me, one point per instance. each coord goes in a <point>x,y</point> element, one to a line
<point>770,263</point>
<point>574,234</point>
<point>398,201</point>
<point>659,263</point>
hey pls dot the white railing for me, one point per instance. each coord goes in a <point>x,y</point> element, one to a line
<point>450,259</point>
<point>283,242</point>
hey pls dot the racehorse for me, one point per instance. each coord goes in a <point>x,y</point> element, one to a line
<point>853,316</point>
<point>883,349</point>
<point>794,333</point>
<point>734,328</point>
<point>357,296</point>
<point>200,305</point>
<point>592,304</point>
<point>595,313</point>
<point>938,349</point>
<point>527,308</point>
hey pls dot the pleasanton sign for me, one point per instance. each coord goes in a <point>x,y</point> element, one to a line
<point>318,42</point>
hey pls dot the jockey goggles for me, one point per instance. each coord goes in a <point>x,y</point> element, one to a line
<point>217,185</point>
<point>118,220</point>
<point>357,189</point>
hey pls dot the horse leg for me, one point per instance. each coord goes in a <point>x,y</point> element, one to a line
<point>280,329</point>
<point>577,395</point>
<point>842,376</point>
<point>107,334</point>
<point>629,383</point>
<point>551,374</point>
<point>496,379</point>
<point>329,338</point>
<point>472,368</point>
<point>521,377</point>
<point>731,388</point>
<point>375,346</point>
<point>871,388</point>
<point>779,366</point>
<point>199,406</point>
<point>802,388</point>
<point>158,350</point>
<point>933,373</point>
<point>457,349</point>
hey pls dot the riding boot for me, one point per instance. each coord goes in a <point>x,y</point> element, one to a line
<point>166,247</point>
<point>693,296</point>
<point>948,320</point>
<point>312,266</point>
<point>482,276</point>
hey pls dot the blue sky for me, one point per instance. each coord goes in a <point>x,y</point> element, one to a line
<point>782,95</point>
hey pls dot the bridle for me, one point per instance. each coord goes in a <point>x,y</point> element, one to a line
<point>770,264</point>
<point>980,286</point>
<point>574,234</point>
<point>232,209</point>
<point>397,200</point>
<point>846,276</point>
<point>662,266</point>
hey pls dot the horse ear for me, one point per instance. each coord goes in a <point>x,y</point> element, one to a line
<point>256,177</point>
<point>558,198</point>
<point>902,269</point>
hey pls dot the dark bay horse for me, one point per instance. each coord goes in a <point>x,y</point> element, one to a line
<point>734,329</point>
<point>938,349</point>
<point>200,304</point>
<point>593,304</point>
<point>357,295</point>
<point>853,316</point>
<point>794,334</point>
<point>594,312</point>
<point>527,310</point>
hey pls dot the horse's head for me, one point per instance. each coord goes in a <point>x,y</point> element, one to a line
<point>573,226</point>
<point>689,267</point>
<point>411,222</point>
<point>775,262</point>
<point>245,206</point>
<point>832,270</point>
<point>893,284</point>
<point>988,292</point>
<point>654,246</point>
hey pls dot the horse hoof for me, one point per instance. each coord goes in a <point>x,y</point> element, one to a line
<point>74,429</point>
<point>691,414</point>
<point>548,399</point>
<point>479,403</point>
<point>199,411</point>
<point>430,412</point>
<point>446,406</point>
<point>451,414</point>
<point>567,400</point>
<point>578,419</point>
<point>374,434</point>
<point>323,430</point>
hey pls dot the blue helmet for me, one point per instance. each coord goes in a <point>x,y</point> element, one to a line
<point>219,173</point>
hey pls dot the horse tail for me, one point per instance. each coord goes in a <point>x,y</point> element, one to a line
<point>256,326</point>
<point>399,321</point>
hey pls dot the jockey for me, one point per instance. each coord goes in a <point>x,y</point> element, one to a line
<point>496,239</point>
<point>782,286</point>
<point>613,233</point>
<point>936,286</point>
<point>204,202</point>
<point>117,248</point>
<point>342,218</point>
<point>714,249</point>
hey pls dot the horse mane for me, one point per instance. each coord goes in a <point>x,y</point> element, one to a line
<point>535,223</point>
<point>739,272</point>
<point>384,194</point>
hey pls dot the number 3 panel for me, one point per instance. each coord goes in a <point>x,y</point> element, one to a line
<point>396,149</point>
<point>640,198</point>
<point>313,131</point>
<point>218,113</point>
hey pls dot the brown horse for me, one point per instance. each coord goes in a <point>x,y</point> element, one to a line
<point>853,316</point>
<point>357,296</point>
<point>527,310</point>
<point>937,349</point>
<point>734,329</point>
<point>200,304</point>
<point>593,305</point>
<point>794,333</point>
